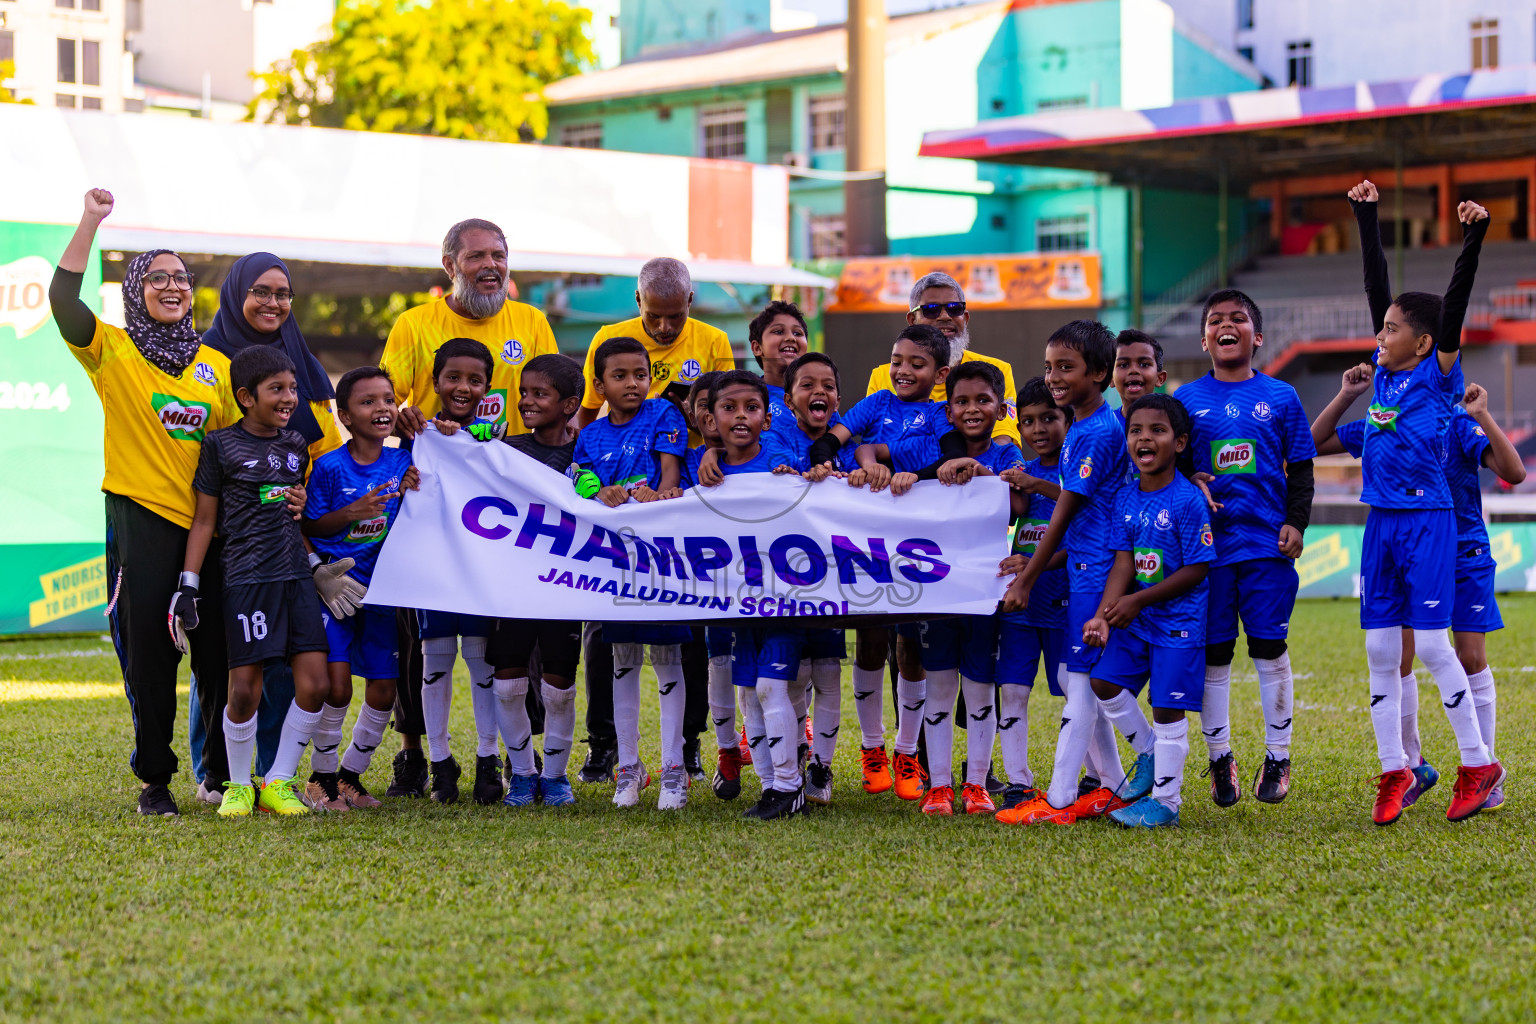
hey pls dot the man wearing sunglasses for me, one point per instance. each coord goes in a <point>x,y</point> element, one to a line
<point>937,300</point>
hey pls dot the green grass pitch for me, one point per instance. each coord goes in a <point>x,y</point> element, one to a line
<point>865,911</point>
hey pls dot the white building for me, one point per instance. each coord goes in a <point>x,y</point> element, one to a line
<point>67,53</point>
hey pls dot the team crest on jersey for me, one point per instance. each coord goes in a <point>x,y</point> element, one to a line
<point>660,371</point>
<point>274,461</point>
<point>1085,470</point>
<point>1479,432</point>
<point>690,371</point>
<point>293,462</point>
<point>1234,455</point>
<point>1164,521</point>
<point>203,374</point>
<point>1206,536</point>
<point>512,352</point>
<point>1261,411</point>
<point>181,419</point>
<point>1232,411</point>
<point>1382,417</point>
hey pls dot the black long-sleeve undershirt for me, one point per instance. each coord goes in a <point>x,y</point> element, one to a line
<point>77,324</point>
<point>1378,285</point>
<point>1299,489</point>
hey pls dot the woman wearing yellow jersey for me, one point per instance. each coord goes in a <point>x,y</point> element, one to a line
<point>161,392</point>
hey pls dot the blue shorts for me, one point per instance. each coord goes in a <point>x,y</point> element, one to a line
<point>1177,673</point>
<point>1406,568</point>
<point>1261,591</point>
<point>825,643</point>
<point>368,640</point>
<point>967,643</point>
<point>645,633</point>
<point>1081,606</point>
<point>1020,649</point>
<point>1476,609</point>
<point>769,652</point>
<point>717,641</point>
<point>910,630</point>
<point>435,625</point>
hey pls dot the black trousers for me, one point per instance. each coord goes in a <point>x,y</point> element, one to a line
<point>145,553</point>
<point>598,682</point>
<point>408,717</point>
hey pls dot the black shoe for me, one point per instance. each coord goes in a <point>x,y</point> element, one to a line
<point>410,775</point>
<point>1015,794</point>
<point>1273,781</point>
<point>445,780</point>
<point>995,785</point>
<point>1088,784</point>
<point>156,802</point>
<point>756,810</point>
<point>1225,790</point>
<point>600,764</point>
<point>777,804</point>
<point>488,785</point>
<point>691,759</point>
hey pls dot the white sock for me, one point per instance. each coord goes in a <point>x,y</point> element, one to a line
<point>1077,720</point>
<point>1170,751</point>
<point>1384,659</point>
<point>1409,715</point>
<point>1485,703</point>
<point>980,729</point>
<point>1125,714</point>
<point>367,734</point>
<point>826,681</point>
<point>240,743</point>
<point>437,656</point>
<point>627,660</point>
<point>1434,649</point>
<point>783,744</point>
<point>1013,733</point>
<point>722,701</point>
<point>512,715</point>
<point>909,712</point>
<point>298,728</point>
<point>800,700</point>
<point>559,728</point>
<point>757,734</point>
<point>939,724</point>
<point>1276,699</point>
<point>328,739</point>
<point>868,701</point>
<point>1104,750</point>
<point>667,661</point>
<point>1215,710</point>
<point>482,694</point>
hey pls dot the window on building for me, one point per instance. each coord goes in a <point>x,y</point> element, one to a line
<point>723,132</point>
<point>63,100</point>
<point>1245,13</point>
<point>1062,103</point>
<point>588,135</point>
<point>1298,63</point>
<point>1062,234</point>
<point>7,45</point>
<point>67,61</point>
<point>90,5</point>
<point>1245,52</point>
<point>1485,43</point>
<point>69,4</point>
<point>828,115</point>
<point>90,62</point>
<point>90,102</point>
<point>828,236</point>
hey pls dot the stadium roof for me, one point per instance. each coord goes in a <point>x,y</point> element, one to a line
<point>1484,115</point>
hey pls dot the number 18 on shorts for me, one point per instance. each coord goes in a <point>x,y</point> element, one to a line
<point>272,620</point>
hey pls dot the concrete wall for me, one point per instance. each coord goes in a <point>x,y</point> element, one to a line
<point>182,40</point>
<point>37,26</point>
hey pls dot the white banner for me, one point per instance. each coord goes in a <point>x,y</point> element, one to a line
<point>493,532</point>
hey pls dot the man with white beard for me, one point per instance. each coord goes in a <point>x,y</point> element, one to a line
<point>475,260</point>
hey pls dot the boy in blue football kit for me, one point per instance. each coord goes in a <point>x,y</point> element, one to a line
<point>1410,532</point>
<point>1251,440</point>
<point>1079,361</point>
<point>637,451</point>
<point>1156,631</point>
<point>354,494</point>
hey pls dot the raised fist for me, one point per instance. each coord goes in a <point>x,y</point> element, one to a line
<point>98,203</point>
<point>1365,192</point>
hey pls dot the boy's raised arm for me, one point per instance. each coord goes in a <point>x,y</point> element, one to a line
<point>1453,307</point>
<point>1378,286</point>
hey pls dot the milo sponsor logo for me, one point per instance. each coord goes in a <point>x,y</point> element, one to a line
<point>1382,417</point>
<point>181,419</point>
<point>271,494</point>
<point>1235,455</point>
<point>1028,534</point>
<point>493,406</point>
<point>368,531</point>
<point>1149,565</point>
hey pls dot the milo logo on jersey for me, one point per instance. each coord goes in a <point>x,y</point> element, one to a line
<point>271,494</point>
<point>182,419</point>
<point>1028,534</point>
<point>1235,455</point>
<point>1149,565</point>
<point>493,406</point>
<point>1382,417</point>
<point>368,531</point>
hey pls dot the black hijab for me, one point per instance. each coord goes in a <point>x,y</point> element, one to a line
<point>172,347</point>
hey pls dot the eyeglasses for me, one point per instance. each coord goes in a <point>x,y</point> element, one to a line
<point>160,280</point>
<point>931,310</point>
<point>282,296</point>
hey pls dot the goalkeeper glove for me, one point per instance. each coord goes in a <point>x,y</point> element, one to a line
<point>183,613</point>
<point>342,594</point>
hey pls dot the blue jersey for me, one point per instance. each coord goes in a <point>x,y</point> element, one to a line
<point>1244,434</point>
<point>770,457</point>
<point>1405,437</point>
<point>1167,530</point>
<point>1048,598</point>
<point>629,455</point>
<point>1094,464</point>
<point>478,428</point>
<point>882,418</point>
<point>337,481</point>
<point>1465,444</point>
<point>778,408</point>
<point>796,446</point>
<point>690,477</point>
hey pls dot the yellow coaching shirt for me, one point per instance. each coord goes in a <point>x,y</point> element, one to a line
<point>1007,425</point>
<point>155,423</point>
<point>330,437</point>
<point>699,348</point>
<point>515,335</point>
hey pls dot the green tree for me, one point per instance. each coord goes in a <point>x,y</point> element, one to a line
<point>464,69</point>
<point>7,72</point>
